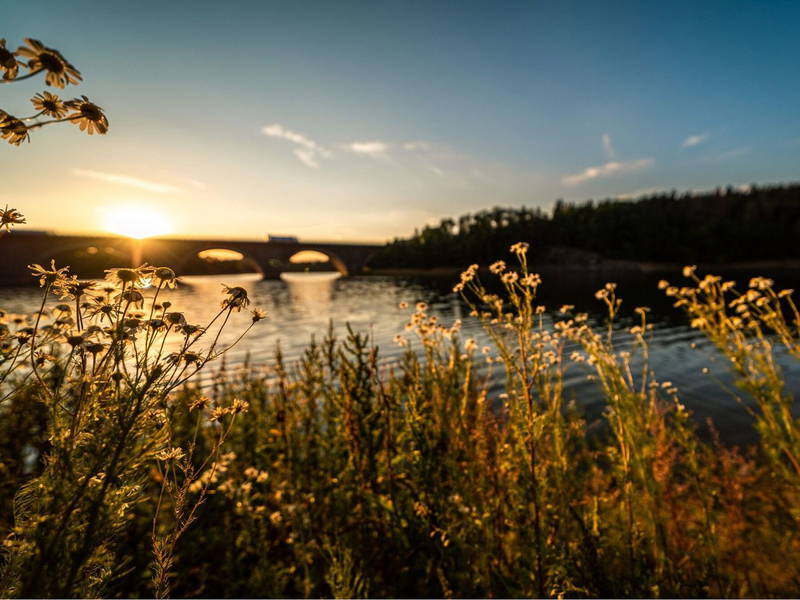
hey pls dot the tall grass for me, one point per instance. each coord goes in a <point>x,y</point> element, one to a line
<point>349,478</point>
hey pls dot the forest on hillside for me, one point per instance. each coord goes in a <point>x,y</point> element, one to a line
<point>722,226</point>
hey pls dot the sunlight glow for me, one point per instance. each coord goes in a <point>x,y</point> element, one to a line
<point>309,256</point>
<point>136,222</point>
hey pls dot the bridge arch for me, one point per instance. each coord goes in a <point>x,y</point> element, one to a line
<point>216,252</point>
<point>336,262</point>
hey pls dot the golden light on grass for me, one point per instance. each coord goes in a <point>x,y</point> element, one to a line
<point>136,222</point>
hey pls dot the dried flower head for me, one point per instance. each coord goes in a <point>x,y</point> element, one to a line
<point>48,276</point>
<point>166,276</point>
<point>13,130</point>
<point>49,104</point>
<point>9,217</point>
<point>59,71</point>
<point>237,298</point>
<point>124,275</point>
<point>87,115</point>
<point>258,314</point>
<point>8,62</point>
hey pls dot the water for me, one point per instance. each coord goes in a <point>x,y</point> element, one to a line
<point>303,305</point>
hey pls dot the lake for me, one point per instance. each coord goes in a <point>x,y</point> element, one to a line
<point>302,305</point>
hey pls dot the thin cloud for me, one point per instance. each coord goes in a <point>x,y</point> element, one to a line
<point>309,151</point>
<point>374,148</point>
<point>694,140</point>
<point>121,179</point>
<point>607,170</point>
<point>733,153</point>
<point>607,147</point>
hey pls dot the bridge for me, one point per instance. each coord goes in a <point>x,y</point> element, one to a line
<point>89,255</point>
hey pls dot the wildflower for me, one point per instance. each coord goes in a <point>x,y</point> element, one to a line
<point>762,283</point>
<point>519,248</point>
<point>48,277</point>
<point>76,340</point>
<point>134,297</point>
<point>166,276</point>
<point>469,274</point>
<point>8,62</point>
<point>257,315</point>
<point>239,406</point>
<point>510,277</point>
<point>170,454</point>
<point>470,345</point>
<point>218,414</point>
<point>94,347</point>
<point>200,403</point>
<point>175,318</point>
<point>498,267</point>
<point>13,130</point>
<point>188,330</point>
<point>124,275</point>
<point>784,293</point>
<point>689,270</point>
<point>421,307</point>
<point>9,217</point>
<point>663,284</point>
<point>59,71</point>
<point>402,305</point>
<point>458,288</point>
<point>49,104</point>
<point>237,298</point>
<point>87,115</point>
<point>531,280</point>
<point>191,357</point>
<point>73,288</point>
<point>566,308</point>
<point>400,340</point>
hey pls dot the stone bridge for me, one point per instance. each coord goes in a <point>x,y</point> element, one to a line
<point>89,255</point>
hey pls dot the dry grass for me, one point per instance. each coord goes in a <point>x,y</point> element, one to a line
<point>349,479</point>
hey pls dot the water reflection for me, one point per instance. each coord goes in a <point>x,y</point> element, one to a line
<point>302,305</point>
<point>311,291</point>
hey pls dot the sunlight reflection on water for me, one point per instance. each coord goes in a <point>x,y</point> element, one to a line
<point>303,305</point>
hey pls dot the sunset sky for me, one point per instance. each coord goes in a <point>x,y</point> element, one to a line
<point>363,120</point>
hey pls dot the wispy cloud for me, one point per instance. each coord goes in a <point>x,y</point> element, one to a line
<point>732,153</point>
<point>607,170</point>
<point>121,179</point>
<point>309,151</point>
<point>374,148</point>
<point>694,140</point>
<point>608,149</point>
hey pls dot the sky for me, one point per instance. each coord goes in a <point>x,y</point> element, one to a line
<point>360,121</point>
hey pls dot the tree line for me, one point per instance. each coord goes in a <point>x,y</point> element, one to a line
<point>721,226</point>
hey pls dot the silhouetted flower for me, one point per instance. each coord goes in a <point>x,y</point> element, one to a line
<point>124,275</point>
<point>12,129</point>
<point>48,277</point>
<point>9,217</point>
<point>8,62</point>
<point>59,71</point>
<point>237,298</point>
<point>88,116</point>
<point>49,104</point>
<point>258,314</point>
<point>73,288</point>
<point>166,276</point>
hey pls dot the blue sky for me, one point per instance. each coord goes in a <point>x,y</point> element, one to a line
<point>363,120</point>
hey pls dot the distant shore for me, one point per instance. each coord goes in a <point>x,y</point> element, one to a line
<point>764,267</point>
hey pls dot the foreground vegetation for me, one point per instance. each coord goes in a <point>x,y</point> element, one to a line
<point>722,226</point>
<point>123,473</point>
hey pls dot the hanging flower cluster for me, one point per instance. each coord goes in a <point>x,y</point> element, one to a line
<point>28,61</point>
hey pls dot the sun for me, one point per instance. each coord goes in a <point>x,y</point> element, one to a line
<point>136,222</point>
